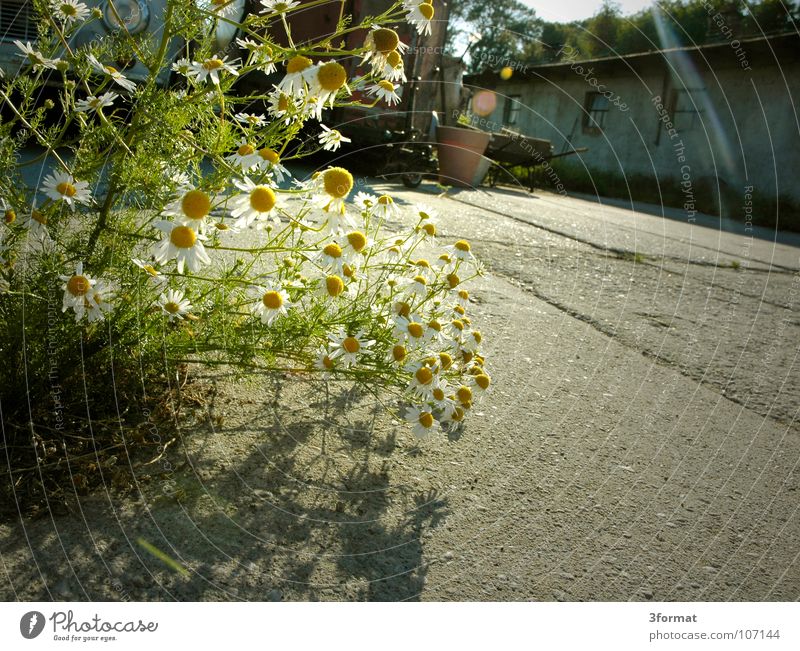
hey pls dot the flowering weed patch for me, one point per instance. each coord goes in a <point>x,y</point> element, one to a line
<point>169,232</point>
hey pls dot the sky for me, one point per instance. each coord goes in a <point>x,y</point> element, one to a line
<point>563,11</point>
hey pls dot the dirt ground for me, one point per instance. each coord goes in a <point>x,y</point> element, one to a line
<point>639,443</point>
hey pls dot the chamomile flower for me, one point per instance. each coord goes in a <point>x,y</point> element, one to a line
<point>397,354</point>
<point>325,362</point>
<point>183,66</point>
<point>331,139</point>
<point>113,73</point>
<point>416,287</point>
<point>393,69</point>
<point>69,11</point>
<point>332,219</point>
<point>332,286</point>
<point>410,330</point>
<point>211,69</point>
<point>92,103</point>
<point>98,302</point>
<point>480,383</point>
<point>281,106</point>
<point>271,302</point>
<point>35,58</point>
<point>254,120</point>
<point>461,250</point>
<point>325,80</point>
<point>36,224</point>
<point>471,341</point>
<point>331,258</point>
<point>191,208</point>
<point>336,184</point>
<point>260,54</point>
<point>365,202</point>
<point>379,43</point>
<point>349,348</point>
<point>386,91</point>
<point>181,243</point>
<point>245,157</point>
<point>269,161</point>
<point>77,290</point>
<point>385,207</point>
<point>355,244</point>
<point>154,276</point>
<point>60,186</point>
<point>424,379</point>
<point>420,15</point>
<point>256,203</point>
<point>294,83</point>
<point>277,6</point>
<point>422,422</point>
<point>174,304</point>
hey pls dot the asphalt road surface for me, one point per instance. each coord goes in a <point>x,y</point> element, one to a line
<point>640,442</point>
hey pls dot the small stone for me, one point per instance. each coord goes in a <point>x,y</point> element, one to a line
<point>275,595</point>
<point>447,556</point>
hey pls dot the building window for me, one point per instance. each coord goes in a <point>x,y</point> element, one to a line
<point>686,111</point>
<point>594,116</point>
<point>511,109</point>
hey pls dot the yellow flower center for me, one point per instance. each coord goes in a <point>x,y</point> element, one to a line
<point>297,64</point>
<point>270,155</point>
<point>426,9</point>
<point>385,200</point>
<point>262,198</point>
<point>183,237</point>
<point>463,294</point>
<point>212,64</point>
<point>462,245</point>
<point>272,300</point>
<point>338,182</point>
<point>150,269</point>
<point>348,271</point>
<point>68,10</point>
<point>421,280</point>
<point>66,189</point>
<point>459,310</point>
<point>39,217</point>
<point>399,353</point>
<point>387,86</point>
<point>245,150</point>
<point>458,325</point>
<point>78,285</point>
<point>453,280</point>
<point>477,336</point>
<point>430,229</point>
<point>483,381</point>
<point>357,240</point>
<point>111,70</point>
<point>466,356</point>
<point>426,419</point>
<point>402,308</point>
<point>438,394</point>
<point>394,59</point>
<point>334,285</point>
<point>385,40</point>
<point>445,360</point>
<point>464,394</point>
<point>327,362</point>
<point>332,76</point>
<point>196,204</point>
<point>415,329</point>
<point>333,250</point>
<point>458,415</point>
<point>10,216</point>
<point>435,325</point>
<point>351,345</point>
<point>424,375</point>
<point>283,103</point>
<point>172,307</point>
